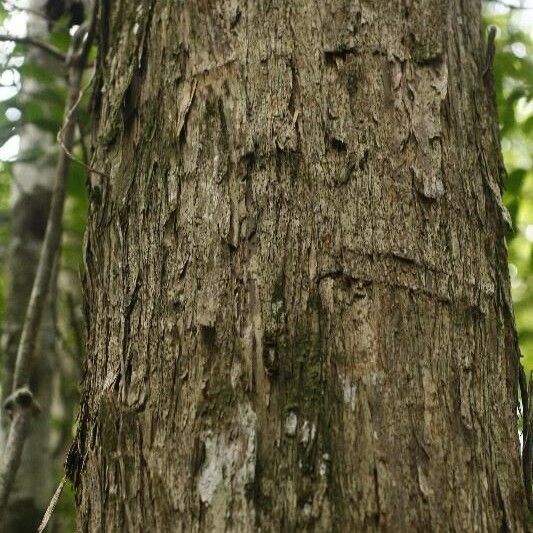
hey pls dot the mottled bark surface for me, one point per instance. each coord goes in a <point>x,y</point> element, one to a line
<point>296,285</point>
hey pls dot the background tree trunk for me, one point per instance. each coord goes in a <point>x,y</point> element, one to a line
<point>33,181</point>
<point>297,290</point>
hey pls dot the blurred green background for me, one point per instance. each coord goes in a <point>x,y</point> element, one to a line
<point>513,73</point>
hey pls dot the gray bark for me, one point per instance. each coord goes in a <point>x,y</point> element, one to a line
<point>296,282</point>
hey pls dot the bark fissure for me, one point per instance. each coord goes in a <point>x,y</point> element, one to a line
<point>312,193</point>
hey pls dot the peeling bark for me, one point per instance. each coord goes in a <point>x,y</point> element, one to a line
<point>296,279</point>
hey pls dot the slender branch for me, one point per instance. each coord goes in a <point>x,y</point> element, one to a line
<point>51,242</point>
<point>52,505</point>
<point>18,431</point>
<point>68,150</point>
<point>21,408</point>
<point>52,50</point>
<point>527,436</point>
<point>527,450</point>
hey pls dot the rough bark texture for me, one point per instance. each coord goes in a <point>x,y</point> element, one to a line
<point>31,193</point>
<point>296,283</point>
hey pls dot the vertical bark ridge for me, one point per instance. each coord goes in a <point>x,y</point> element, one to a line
<point>296,277</point>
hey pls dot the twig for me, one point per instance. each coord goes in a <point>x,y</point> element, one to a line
<point>527,436</point>
<point>52,505</point>
<point>80,59</point>
<point>18,431</point>
<point>52,50</point>
<point>527,451</point>
<point>51,241</point>
<point>22,409</point>
<point>66,149</point>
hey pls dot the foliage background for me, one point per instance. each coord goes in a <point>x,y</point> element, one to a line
<point>42,104</point>
<point>513,77</point>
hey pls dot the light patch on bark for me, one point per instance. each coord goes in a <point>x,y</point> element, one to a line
<point>308,432</point>
<point>349,391</point>
<point>236,372</point>
<point>230,462</point>
<point>324,465</point>
<point>423,483</point>
<point>291,421</point>
<point>433,187</point>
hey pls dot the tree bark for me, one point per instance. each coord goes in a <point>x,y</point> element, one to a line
<point>31,193</point>
<point>296,282</point>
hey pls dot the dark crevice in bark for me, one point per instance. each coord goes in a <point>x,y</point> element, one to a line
<point>319,296</point>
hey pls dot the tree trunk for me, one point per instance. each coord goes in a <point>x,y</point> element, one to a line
<point>31,193</point>
<point>296,287</point>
